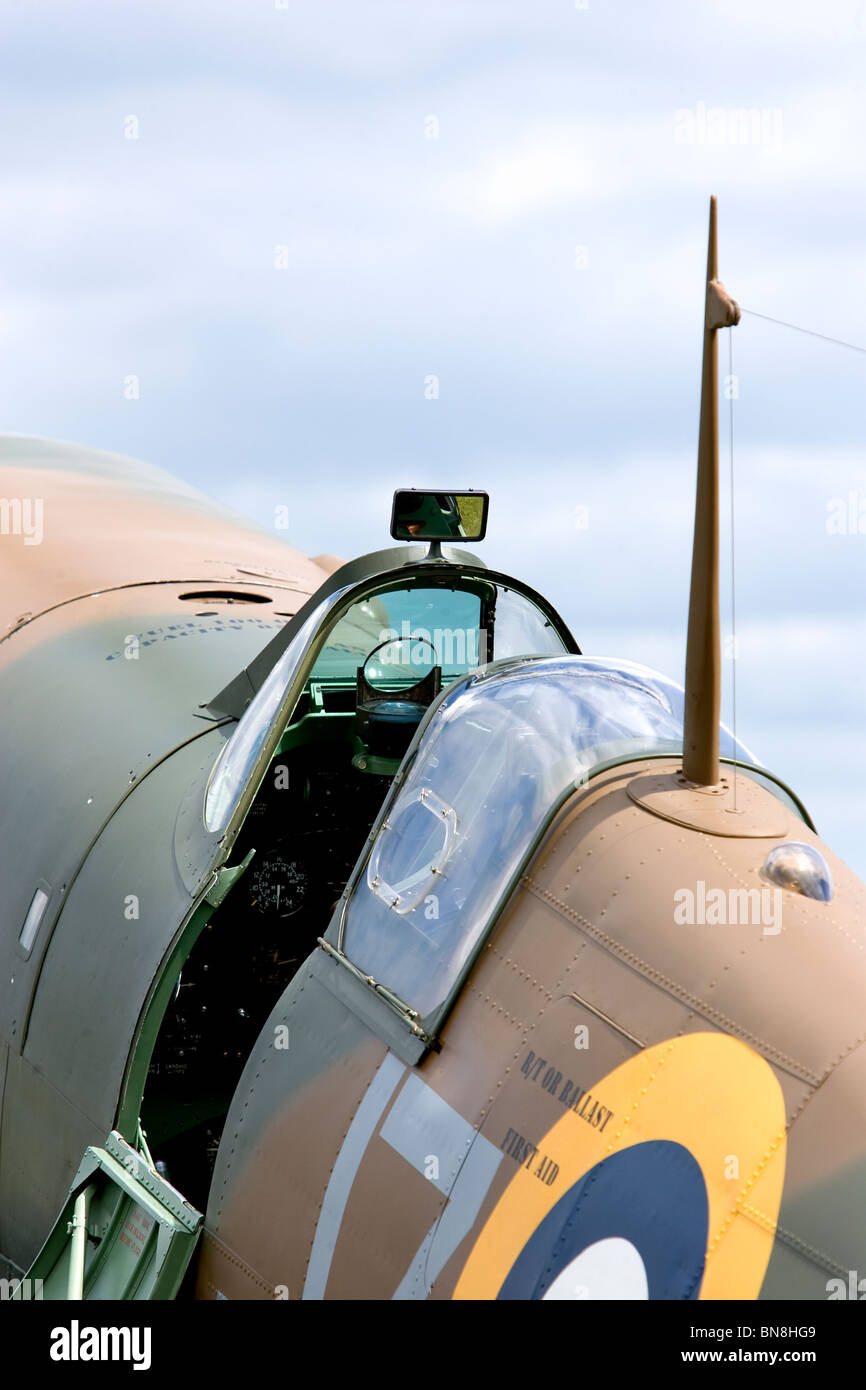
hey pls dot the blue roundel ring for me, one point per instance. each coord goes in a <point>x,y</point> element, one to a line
<point>652,1196</point>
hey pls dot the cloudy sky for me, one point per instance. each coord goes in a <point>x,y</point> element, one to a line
<point>240,238</point>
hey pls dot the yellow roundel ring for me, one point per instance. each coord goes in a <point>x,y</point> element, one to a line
<point>707,1092</point>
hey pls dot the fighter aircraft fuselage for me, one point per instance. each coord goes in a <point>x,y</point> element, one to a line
<point>363,938</point>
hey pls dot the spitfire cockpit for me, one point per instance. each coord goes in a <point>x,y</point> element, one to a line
<point>324,719</point>
<point>399,750</point>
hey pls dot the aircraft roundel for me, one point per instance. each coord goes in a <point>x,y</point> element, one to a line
<point>679,1201</point>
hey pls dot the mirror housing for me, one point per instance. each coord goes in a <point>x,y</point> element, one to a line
<point>439,516</point>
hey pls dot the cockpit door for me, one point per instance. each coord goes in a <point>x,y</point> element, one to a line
<point>123,1233</point>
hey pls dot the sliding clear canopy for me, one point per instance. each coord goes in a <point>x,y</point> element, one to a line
<point>499,753</point>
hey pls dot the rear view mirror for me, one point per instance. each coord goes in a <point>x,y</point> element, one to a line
<point>439,516</point>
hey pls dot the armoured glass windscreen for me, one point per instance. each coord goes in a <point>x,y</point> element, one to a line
<point>448,623</point>
<point>499,753</point>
